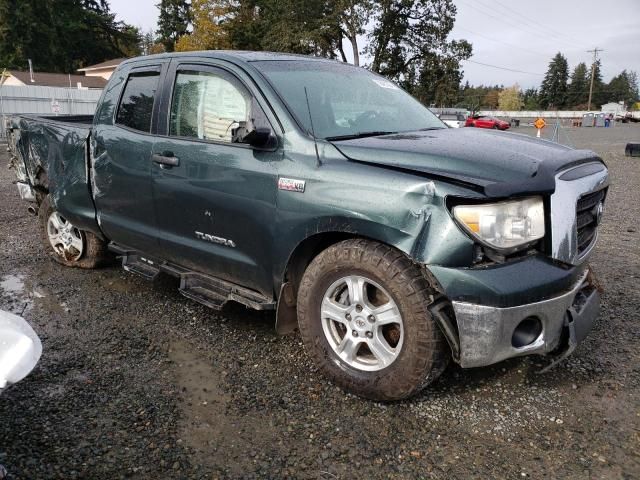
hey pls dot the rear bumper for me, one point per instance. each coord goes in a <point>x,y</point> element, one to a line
<point>486,333</point>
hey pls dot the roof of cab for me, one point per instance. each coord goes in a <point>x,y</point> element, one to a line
<point>237,55</point>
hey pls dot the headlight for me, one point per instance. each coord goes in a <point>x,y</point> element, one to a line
<point>505,225</point>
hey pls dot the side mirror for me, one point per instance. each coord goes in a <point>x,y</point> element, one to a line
<point>258,137</point>
<point>20,349</point>
<point>245,132</point>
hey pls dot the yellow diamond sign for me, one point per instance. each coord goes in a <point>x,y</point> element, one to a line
<point>539,123</point>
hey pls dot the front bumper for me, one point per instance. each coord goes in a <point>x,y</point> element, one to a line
<point>486,333</point>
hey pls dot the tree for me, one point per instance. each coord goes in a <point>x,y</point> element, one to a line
<point>531,99</point>
<point>208,29</point>
<point>310,27</point>
<point>173,22</point>
<point>473,97</point>
<point>624,88</point>
<point>62,36</point>
<point>353,15</point>
<point>510,98</point>
<point>553,91</point>
<point>409,44</point>
<point>578,90</point>
<point>150,45</point>
<point>491,98</point>
<point>408,40</point>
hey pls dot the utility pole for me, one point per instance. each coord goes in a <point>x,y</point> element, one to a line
<point>593,71</point>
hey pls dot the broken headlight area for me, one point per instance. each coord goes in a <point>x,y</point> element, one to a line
<point>505,227</point>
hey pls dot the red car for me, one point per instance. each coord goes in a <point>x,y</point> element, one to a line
<point>486,122</point>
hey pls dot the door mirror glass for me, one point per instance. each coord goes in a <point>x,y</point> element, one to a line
<point>20,349</point>
<point>259,137</point>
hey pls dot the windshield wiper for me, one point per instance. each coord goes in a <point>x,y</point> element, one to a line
<point>431,128</point>
<point>358,135</point>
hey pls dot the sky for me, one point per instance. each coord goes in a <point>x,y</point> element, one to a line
<point>520,35</point>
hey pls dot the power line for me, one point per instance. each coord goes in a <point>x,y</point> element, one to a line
<point>517,24</point>
<point>537,24</point>
<point>504,68</point>
<point>502,42</point>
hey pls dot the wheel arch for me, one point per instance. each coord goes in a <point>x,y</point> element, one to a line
<point>298,261</point>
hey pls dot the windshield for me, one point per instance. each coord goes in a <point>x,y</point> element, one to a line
<point>345,101</point>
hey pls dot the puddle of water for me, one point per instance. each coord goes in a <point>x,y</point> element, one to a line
<point>205,402</point>
<point>22,295</point>
<point>12,284</point>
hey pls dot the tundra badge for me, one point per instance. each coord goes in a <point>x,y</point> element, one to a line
<point>214,239</point>
<point>291,184</point>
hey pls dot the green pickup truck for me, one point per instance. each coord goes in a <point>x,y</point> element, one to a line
<point>326,193</point>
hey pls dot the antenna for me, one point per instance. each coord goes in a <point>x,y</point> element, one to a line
<point>315,141</point>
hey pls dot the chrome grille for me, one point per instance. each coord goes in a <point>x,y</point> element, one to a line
<point>587,219</point>
<point>573,218</point>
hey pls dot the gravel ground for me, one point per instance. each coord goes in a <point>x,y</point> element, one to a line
<point>138,382</point>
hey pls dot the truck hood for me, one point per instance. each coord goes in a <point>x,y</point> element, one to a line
<point>496,163</point>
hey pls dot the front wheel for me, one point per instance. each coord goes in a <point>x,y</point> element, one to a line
<point>67,244</point>
<point>362,311</point>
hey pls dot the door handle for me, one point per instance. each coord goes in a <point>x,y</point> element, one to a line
<point>165,159</point>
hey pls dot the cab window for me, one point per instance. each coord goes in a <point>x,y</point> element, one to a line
<point>136,105</point>
<point>207,106</point>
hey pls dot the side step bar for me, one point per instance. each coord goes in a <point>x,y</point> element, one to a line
<point>210,291</point>
<point>144,267</point>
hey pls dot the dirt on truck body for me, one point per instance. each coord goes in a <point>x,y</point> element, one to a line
<point>327,194</point>
<point>138,381</point>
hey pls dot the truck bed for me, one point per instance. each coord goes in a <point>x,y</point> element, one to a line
<point>50,155</point>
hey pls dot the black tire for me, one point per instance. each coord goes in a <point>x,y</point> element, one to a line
<point>424,353</point>
<point>94,253</point>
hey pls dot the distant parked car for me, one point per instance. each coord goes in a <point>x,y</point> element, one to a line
<point>453,121</point>
<point>486,122</point>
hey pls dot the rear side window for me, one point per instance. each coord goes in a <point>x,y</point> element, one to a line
<point>136,105</point>
<point>207,106</point>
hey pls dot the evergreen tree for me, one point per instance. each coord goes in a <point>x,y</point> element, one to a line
<point>578,91</point>
<point>408,41</point>
<point>310,27</point>
<point>62,36</point>
<point>531,99</point>
<point>149,44</point>
<point>624,88</point>
<point>553,91</point>
<point>173,22</point>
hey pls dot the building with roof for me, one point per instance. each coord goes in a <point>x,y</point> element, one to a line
<point>19,78</point>
<point>614,108</point>
<point>102,70</point>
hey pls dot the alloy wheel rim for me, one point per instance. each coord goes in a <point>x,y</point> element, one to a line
<point>362,323</point>
<point>66,240</point>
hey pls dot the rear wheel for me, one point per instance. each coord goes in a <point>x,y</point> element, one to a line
<point>362,310</point>
<point>67,244</point>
